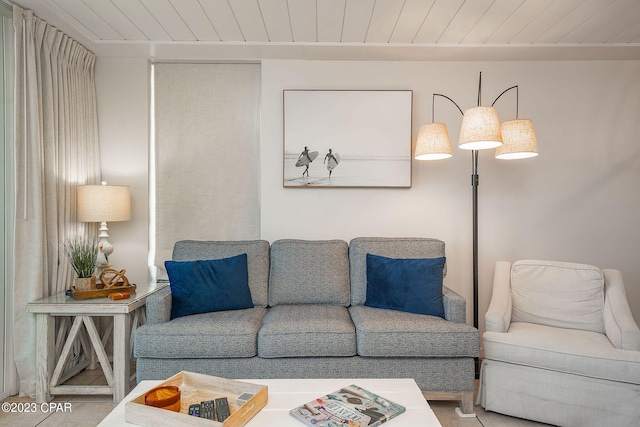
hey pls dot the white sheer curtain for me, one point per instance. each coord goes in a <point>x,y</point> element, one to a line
<point>56,146</point>
<point>207,159</point>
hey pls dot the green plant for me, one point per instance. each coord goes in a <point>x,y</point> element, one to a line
<point>81,253</point>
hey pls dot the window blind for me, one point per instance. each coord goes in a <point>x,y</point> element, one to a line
<point>207,166</point>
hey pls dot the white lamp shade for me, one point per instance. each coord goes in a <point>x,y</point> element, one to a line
<point>480,129</point>
<point>98,203</point>
<point>433,142</point>
<point>519,139</point>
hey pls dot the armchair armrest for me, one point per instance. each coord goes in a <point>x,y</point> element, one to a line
<point>619,325</point>
<point>455,306</point>
<point>498,316</point>
<point>159,306</point>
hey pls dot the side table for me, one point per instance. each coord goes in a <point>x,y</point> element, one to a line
<point>52,352</point>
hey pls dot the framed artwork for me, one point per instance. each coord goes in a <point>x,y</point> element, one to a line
<point>347,138</point>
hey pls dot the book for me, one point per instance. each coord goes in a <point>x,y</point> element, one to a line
<point>351,406</point>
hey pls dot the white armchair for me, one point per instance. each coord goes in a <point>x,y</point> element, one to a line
<point>561,346</point>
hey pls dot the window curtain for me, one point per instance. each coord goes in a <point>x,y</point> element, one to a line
<point>8,381</point>
<point>56,149</point>
<point>207,164</point>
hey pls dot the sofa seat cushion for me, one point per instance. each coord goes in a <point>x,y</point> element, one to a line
<point>572,351</point>
<point>391,333</point>
<point>208,335</point>
<point>307,331</point>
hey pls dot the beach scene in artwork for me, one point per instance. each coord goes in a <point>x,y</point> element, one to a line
<point>347,138</point>
<point>351,171</point>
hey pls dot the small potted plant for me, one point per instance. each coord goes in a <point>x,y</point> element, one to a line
<point>82,253</point>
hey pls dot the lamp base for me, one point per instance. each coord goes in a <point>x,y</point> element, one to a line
<point>104,250</point>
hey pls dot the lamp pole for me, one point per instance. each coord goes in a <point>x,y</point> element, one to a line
<point>475,178</point>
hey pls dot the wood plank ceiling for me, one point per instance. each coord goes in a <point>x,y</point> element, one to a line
<point>354,23</point>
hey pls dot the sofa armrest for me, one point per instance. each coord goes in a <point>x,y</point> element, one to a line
<point>455,306</point>
<point>498,316</point>
<point>159,306</point>
<point>619,325</point>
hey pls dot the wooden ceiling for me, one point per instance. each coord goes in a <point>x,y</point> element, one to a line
<point>362,29</point>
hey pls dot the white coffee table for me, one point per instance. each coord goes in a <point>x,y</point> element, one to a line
<point>285,394</point>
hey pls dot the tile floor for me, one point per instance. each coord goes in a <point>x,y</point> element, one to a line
<point>87,411</point>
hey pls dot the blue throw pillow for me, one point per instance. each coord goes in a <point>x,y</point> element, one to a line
<point>208,285</point>
<point>413,285</point>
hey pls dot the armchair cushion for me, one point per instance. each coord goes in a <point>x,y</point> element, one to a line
<point>571,351</point>
<point>560,294</point>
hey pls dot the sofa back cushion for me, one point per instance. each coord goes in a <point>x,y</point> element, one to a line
<point>309,272</point>
<point>390,247</point>
<point>257,260</point>
<point>559,294</point>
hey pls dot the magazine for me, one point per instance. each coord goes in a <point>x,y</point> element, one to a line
<point>350,406</point>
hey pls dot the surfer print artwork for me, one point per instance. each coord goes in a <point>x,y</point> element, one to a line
<point>347,138</point>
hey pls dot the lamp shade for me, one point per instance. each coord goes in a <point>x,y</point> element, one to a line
<point>433,142</point>
<point>519,139</point>
<point>480,129</point>
<point>97,203</point>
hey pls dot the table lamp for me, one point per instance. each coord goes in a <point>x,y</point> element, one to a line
<point>104,203</point>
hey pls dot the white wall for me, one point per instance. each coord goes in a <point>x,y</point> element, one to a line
<point>123,118</point>
<point>577,201</point>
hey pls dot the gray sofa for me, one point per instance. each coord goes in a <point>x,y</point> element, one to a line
<point>309,321</point>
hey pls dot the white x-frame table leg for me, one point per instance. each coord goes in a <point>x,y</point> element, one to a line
<point>77,325</point>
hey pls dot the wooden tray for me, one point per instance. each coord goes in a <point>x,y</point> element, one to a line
<point>195,388</point>
<point>100,292</point>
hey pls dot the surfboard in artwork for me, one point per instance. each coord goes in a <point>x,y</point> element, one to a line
<point>333,162</point>
<point>303,161</point>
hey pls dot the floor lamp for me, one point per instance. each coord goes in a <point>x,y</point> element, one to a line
<point>480,130</point>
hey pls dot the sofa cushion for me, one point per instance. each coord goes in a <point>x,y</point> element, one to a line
<point>572,351</point>
<point>391,247</point>
<point>209,335</point>
<point>307,331</point>
<point>208,285</point>
<point>560,294</point>
<point>257,260</point>
<point>390,333</point>
<point>309,272</point>
<point>413,285</point>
